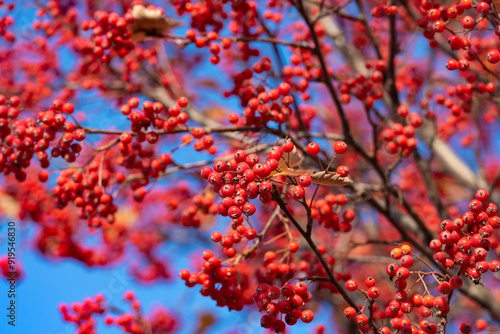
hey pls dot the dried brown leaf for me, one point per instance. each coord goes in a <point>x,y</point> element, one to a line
<point>150,22</point>
<point>205,321</point>
<point>297,172</point>
<point>330,179</point>
<point>322,178</point>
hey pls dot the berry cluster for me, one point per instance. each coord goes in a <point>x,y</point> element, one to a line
<point>23,139</point>
<point>326,211</point>
<point>427,305</point>
<point>228,286</point>
<point>110,36</point>
<point>241,179</point>
<point>81,314</point>
<point>288,301</point>
<point>367,90</point>
<point>401,306</point>
<point>56,17</point>
<point>400,137</point>
<point>466,241</point>
<point>262,106</point>
<point>86,191</point>
<point>134,322</point>
<point>192,214</point>
<point>150,116</point>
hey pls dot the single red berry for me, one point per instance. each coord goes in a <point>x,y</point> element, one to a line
<point>343,171</point>
<point>373,292</point>
<point>482,195</point>
<point>451,65</point>
<point>403,110</point>
<point>287,146</point>
<point>307,316</point>
<point>351,285</point>
<point>305,180</point>
<point>293,246</point>
<point>370,282</point>
<point>468,22</point>
<point>182,102</point>
<point>349,312</point>
<point>444,288</point>
<point>340,147</point>
<point>313,148</point>
<point>300,288</point>
<point>493,56</point>
<point>43,176</point>
<point>361,320</point>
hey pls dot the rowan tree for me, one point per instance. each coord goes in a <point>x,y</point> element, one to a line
<point>325,151</point>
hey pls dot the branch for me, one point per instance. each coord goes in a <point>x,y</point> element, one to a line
<point>310,242</point>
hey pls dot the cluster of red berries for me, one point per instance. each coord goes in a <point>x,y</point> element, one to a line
<point>289,300</point>
<point>367,90</point>
<point>203,15</point>
<point>401,306</point>
<point>241,179</point>
<point>427,305</point>
<point>135,323</point>
<point>229,241</point>
<point>226,285</point>
<point>150,115</point>
<point>23,139</point>
<point>273,266</point>
<point>82,315</point>
<point>436,19</point>
<point>458,100</point>
<point>210,40</point>
<point>86,191</point>
<point>326,211</point>
<point>6,21</point>
<point>59,19</point>
<point>262,106</point>
<point>110,36</point>
<point>465,241</point>
<point>399,137</point>
<point>372,292</point>
<point>68,146</point>
<point>202,205</point>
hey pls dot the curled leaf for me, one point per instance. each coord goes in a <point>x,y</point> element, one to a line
<point>297,172</point>
<point>150,22</point>
<point>322,178</point>
<point>329,179</point>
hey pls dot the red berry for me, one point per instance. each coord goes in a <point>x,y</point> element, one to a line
<point>293,246</point>
<point>351,285</point>
<point>307,316</point>
<point>340,147</point>
<point>361,320</point>
<point>313,148</point>
<point>182,102</point>
<point>349,312</point>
